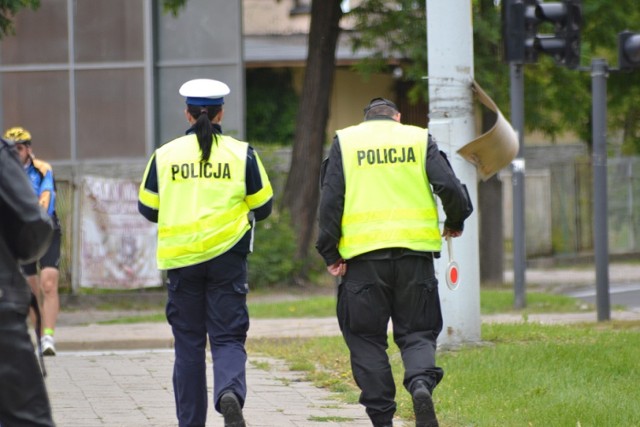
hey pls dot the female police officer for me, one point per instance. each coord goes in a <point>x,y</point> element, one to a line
<point>204,190</point>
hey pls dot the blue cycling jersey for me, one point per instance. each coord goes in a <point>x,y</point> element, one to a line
<point>41,176</point>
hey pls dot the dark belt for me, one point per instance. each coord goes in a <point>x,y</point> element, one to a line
<point>390,253</point>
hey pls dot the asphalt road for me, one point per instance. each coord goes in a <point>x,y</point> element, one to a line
<point>627,294</point>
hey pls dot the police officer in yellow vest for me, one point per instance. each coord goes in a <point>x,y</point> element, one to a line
<point>379,233</point>
<point>205,190</point>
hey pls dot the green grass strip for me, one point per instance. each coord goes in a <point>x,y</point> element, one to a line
<point>491,302</point>
<point>521,375</point>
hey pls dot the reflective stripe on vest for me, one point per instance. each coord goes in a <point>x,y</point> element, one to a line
<point>377,215</point>
<point>202,209</point>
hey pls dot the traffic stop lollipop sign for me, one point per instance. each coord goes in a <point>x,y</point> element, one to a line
<point>453,272</point>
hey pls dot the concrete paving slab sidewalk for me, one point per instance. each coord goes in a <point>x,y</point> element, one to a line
<point>133,388</point>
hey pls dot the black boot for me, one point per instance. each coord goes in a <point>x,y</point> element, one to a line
<point>231,410</point>
<point>423,405</point>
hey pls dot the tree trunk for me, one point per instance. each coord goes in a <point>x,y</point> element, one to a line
<point>491,219</point>
<point>302,188</point>
<point>491,234</point>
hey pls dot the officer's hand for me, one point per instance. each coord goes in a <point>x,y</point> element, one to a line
<point>338,268</point>
<point>447,232</point>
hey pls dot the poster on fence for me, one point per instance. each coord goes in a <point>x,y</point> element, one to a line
<point>117,244</point>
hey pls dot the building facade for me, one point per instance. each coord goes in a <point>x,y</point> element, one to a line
<point>97,81</point>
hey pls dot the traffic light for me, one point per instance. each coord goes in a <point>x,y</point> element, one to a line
<point>522,20</point>
<point>628,50</point>
<point>564,44</point>
<point>519,26</point>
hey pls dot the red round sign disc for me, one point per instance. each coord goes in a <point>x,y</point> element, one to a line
<point>453,274</point>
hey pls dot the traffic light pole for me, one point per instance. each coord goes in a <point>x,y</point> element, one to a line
<point>599,74</point>
<point>521,19</point>
<point>517,179</point>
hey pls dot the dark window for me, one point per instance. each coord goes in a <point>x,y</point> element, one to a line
<point>413,113</point>
<point>301,7</point>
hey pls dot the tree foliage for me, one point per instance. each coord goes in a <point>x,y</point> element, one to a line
<point>8,9</point>
<point>399,27</point>
<point>557,99</point>
<point>173,6</point>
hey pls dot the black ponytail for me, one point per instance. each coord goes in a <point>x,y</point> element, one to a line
<point>205,131</point>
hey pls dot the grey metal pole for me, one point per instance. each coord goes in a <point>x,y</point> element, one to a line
<point>599,74</point>
<point>517,178</point>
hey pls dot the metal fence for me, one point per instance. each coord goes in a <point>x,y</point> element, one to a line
<point>624,205</point>
<point>572,206</point>
<point>559,208</point>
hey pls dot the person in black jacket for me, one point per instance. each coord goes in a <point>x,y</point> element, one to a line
<point>379,232</point>
<point>25,233</point>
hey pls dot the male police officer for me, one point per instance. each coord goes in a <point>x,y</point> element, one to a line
<point>378,217</point>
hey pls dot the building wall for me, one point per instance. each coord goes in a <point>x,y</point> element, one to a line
<point>98,80</point>
<point>268,17</point>
<point>78,96</point>
<point>277,17</point>
<point>351,93</point>
<point>204,40</point>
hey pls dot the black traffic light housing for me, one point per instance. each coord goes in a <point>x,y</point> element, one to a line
<point>521,20</point>
<point>628,50</point>
<point>519,26</point>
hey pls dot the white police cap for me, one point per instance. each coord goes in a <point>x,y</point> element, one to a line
<point>204,92</point>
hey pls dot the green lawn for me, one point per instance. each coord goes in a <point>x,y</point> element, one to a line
<point>521,375</point>
<point>491,302</point>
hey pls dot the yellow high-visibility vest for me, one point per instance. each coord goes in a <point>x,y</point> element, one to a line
<point>202,211</point>
<point>388,199</point>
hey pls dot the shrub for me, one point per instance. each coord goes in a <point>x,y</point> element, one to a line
<point>273,261</point>
<point>272,105</point>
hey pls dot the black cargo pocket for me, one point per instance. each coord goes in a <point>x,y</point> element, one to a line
<point>363,308</point>
<point>428,314</point>
<point>235,310</point>
<point>241,288</point>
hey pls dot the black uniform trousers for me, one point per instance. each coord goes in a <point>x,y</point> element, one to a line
<point>208,299</point>
<point>23,396</point>
<point>405,290</point>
